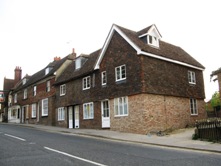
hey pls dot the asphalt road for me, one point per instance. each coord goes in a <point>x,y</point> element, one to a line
<point>21,146</point>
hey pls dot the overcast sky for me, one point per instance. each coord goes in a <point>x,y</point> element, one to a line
<point>33,32</point>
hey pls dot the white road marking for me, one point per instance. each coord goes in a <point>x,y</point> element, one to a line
<point>15,137</point>
<point>79,158</point>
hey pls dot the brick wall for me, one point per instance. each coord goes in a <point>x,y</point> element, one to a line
<point>152,113</point>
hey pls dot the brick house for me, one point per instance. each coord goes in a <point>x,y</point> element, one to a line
<point>33,97</point>
<point>136,83</point>
<point>8,85</point>
<point>216,76</point>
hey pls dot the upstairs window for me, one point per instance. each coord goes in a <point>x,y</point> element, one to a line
<point>34,90</point>
<point>193,107</point>
<point>48,86</point>
<point>15,98</point>
<point>191,77</point>
<point>62,90</point>
<point>25,94</point>
<point>104,78</point>
<point>86,83</point>
<point>120,73</point>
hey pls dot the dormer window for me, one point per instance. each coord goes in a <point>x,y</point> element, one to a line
<point>79,62</point>
<point>47,70</point>
<point>152,40</point>
<point>150,36</point>
<point>24,81</point>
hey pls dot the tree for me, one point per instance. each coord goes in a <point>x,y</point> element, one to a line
<point>215,101</point>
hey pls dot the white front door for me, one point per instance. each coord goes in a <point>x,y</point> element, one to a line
<point>105,114</point>
<point>70,116</point>
<point>76,117</point>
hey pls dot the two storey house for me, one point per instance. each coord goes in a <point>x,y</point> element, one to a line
<point>135,83</point>
<point>8,85</point>
<point>34,97</point>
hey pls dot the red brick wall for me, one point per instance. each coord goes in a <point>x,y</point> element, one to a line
<point>152,113</point>
<point>41,94</point>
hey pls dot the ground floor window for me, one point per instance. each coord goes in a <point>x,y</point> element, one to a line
<point>61,114</point>
<point>45,107</point>
<point>33,110</point>
<point>88,110</point>
<point>121,106</point>
<point>193,107</point>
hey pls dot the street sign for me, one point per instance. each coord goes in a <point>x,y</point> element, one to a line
<point>2,97</point>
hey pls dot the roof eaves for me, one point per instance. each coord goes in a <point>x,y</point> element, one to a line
<point>113,29</point>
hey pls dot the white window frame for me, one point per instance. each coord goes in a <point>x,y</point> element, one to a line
<point>61,114</point>
<point>77,63</point>
<point>191,77</point>
<point>86,82</point>
<point>121,106</point>
<point>48,88</point>
<point>34,90</point>
<point>119,75</point>
<point>25,94</point>
<point>88,110</point>
<point>15,98</point>
<point>63,90</point>
<point>33,110</point>
<point>193,107</point>
<point>154,40</point>
<point>104,78</point>
<point>44,107</point>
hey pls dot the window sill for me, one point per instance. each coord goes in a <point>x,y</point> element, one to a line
<point>121,81</point>
<point>89,119</point>
<point>116,116</point>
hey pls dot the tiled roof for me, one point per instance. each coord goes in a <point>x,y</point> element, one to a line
<point>70,73</point>
<point>165,49</point>
<point>40,75</point>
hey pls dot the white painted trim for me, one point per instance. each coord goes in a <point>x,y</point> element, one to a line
<point>145,34</point>
<point>168,60</point>
<point>75,157</point>
<point>114,28</point>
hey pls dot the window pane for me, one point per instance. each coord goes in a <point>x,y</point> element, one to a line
<point>116,106</point>
<point>123,72</point>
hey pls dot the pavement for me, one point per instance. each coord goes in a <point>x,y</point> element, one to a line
<point>181,138</point>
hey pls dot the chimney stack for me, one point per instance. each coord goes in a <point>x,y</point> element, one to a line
<point>72,56</point>
<point>57,58</point>
<point>18,74</point>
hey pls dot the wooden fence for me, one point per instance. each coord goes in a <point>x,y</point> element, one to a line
<point>209,129</point>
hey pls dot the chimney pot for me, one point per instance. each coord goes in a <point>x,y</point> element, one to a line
<point>72,56</point>
<point>57,58</point>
